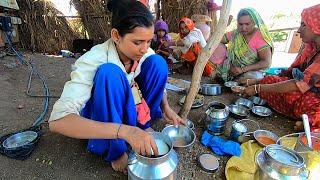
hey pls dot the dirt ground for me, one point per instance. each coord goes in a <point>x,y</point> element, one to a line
<point>60,157</point>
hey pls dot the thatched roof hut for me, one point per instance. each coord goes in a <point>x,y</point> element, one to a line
<point>42,30</point>
<point>173,10</point>
<point>96,20</point>
<point>45,29</point>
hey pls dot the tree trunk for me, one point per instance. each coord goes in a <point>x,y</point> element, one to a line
<point>158,10</point>
<point>202,60</point>
<point>213,23</point>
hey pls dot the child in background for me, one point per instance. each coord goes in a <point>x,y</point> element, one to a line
<point>201,22</point>
<point>190,45</point>
<point>161,36</point>
<point>220,53</point>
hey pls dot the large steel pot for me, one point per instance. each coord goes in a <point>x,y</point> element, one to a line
<point>217,116</point>
<point>163,167</point>
<point>217,110</point>
<point>311,156</point>
<point>286,161</point>
<point>267,172</point>
<point>211,89</point>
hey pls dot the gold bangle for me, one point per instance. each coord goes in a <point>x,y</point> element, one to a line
<point>255,89</point>
<point>259,88</point>
<point>242,69</point>
<point>118,131</point>
<point>247,82</point>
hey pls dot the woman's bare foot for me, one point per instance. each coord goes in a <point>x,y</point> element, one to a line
<point>121,163</point>
<point>298,126</point>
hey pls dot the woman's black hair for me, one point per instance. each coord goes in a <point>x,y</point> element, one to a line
<point>129,14</point>
<point>242,12</point>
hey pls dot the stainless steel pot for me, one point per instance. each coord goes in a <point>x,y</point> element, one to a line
<point>266,172</point>
<point>286,161</point>
<point>162,167</point>
<point>218,122</point>
<point>237,129</point>
<point>211,89</point>
<point>214,128</point>
<point>217,116</point>
<point>217,110</point>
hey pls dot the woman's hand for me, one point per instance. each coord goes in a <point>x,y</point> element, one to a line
<point>166,43</point>
<point>248,82</point>
<point>249,91</point>
<point>141,141</point>
<point>235,71</point>
<point>243,81</point>
<point>172,117</point>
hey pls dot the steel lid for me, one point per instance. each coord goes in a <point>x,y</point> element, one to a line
<point>208,162</point>
<point>284,155</point>
<point>20,139</point>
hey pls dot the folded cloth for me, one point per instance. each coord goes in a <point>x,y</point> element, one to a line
<point>244,167</point>
<point>220,146</point>
<point>143,112</point>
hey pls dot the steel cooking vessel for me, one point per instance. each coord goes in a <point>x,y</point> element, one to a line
<point>163,167</point>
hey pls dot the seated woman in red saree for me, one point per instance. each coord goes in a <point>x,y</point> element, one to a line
<point>297,90</point>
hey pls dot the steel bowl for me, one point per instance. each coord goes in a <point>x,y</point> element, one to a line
<point>19,139</point>
<point>261,111</point>
<point>230,84</point>
<point>211,89</point>
<point>181,136</point>
<point>289,140</point>
<point>257,134</point>
<point>303,146</point>
<point>257,100</point>
<point>237,89</point>
<point>244,102</point>
<point>238,111</point>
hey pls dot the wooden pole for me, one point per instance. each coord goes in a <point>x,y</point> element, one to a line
<point>202,60</point>
<point>213,23</point>
<point>158,10</point>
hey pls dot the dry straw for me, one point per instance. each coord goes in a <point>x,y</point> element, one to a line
<point>173,10</point>
<point>96,20</point>
<point>42,30</point>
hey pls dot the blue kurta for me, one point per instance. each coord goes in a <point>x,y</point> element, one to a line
<point>112,101</point>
